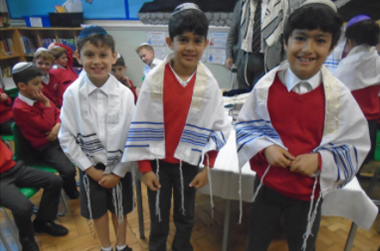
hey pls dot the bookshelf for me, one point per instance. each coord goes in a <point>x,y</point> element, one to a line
<point>19,44</point>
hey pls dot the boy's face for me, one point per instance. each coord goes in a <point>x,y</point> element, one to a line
<point>146,56</point>
<point>188,50</point>
<point>44,65</point>
<point>97,61</point>
<point>62,60</point>
<point>30,89</point>
<point>118,71</point>
<point>307,50</point>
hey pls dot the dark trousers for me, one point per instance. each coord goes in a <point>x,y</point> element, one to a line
<point>265,216</point>
<point>170,180</point>
<point>6,127</point>
<point>252,65</point>
<point>22,209</point>
<point>54,156</point>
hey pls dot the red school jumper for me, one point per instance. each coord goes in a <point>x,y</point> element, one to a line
<point>5,109</point>
<point>53,89</point>
<point>6,160</point>
<point>66,75</point>
<point>299,121</point>
<point>35,121</point>
<point>176,102</point>
<point>368,100</point>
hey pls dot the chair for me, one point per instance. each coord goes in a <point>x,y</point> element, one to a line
<point>6,139</point>
<point>28,193</point>
<point>25,152</point>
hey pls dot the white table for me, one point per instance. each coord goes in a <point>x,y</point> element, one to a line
<point>357,206</point>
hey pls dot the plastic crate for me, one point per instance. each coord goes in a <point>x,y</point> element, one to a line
<point>37,21</point>
<point>70,19</point>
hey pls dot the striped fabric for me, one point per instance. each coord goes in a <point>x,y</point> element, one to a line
<point>256,37</point>
<point>140,133</point>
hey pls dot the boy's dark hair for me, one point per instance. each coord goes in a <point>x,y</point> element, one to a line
<point>96,40</point>
<point>188,21</point>
<point>119,61</point>
<point>312,17</point>
<point>26,75</point>
<point>364,32</point>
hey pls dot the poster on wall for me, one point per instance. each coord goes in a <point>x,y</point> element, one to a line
<point>159,52</point>
<point>156,38</point>
<point>218,40</point>
<point>216,56</point>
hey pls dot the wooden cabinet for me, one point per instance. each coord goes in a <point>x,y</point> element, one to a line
<point>19,44</point>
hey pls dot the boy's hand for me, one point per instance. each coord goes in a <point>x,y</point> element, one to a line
<point>4,97</point>
<point>94,173</point>
<point>53,134</point>
<point>51,46</point>
<point>306,164</point>
<point>200,180</point>
<point>151,181</point>
<point>125,81</point>
<point>109,180</point>
<point>278,156</point>
<point>39,96</point>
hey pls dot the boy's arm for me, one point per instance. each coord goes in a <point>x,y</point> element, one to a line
<point>67,136</point>
<point>70,59</point>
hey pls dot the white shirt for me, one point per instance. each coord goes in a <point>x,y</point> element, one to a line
<point>45,78</point>
<point>26,100</point>
<point>154,63</point>
<point>293,83</point>
<point>182,82</point>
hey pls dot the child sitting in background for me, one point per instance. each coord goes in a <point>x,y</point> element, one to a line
<point>146,53</point>
<point>64,61</point>
<point>360,70</point>
<point>301,131</point>
<point>6,115</point>
<point>118,70</point>
<point>52,86</point>
<point>39,122</point>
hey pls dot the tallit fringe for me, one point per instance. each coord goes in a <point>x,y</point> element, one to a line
<point>210,186</point>
<point>158,213</point>
<point>182,209</point>
<point>86,183</point>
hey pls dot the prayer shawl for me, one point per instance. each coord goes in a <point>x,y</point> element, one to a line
<point>79,135</point>
<point>345,141</point>
<point>271,27</point>
<point>360,69</point>
<point>207,127</point>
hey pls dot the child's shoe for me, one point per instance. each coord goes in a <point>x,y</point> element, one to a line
<point>126,248</point>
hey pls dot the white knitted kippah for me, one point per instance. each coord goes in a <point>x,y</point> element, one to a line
<point>19,67</point>
<point>327,2</point>
<point>186,6</point>
<point>41,49</point>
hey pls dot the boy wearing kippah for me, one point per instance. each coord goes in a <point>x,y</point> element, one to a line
<point>53,88</point>
<point>39,122</point>
<point>179,122</point>
<point>146,53</point>
<point>301,131</point>
<point>96,115</point>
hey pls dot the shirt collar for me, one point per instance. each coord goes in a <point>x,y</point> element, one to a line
<point>26,100</point>
<point>46,78</point>
<point>291,80</point>
<point>107,88</point>
<point>154,63</point>
<point>182,82</point>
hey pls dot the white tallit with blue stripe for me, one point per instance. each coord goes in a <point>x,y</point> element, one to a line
<point>207,127</point>
<point>345,141</point>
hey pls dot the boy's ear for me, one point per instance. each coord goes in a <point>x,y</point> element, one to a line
<point>21,86</point>
<point>114,57</point>
<point>285,45</point>
<point>77,55</point>
<point>125,67</point>
<point>169,42</point>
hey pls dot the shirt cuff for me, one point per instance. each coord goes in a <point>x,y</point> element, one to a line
<point>144,166</point>
<point>212,157</point>
<point>120,169</point>
<point>83,163</point>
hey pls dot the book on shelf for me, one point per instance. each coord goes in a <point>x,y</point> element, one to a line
<point>6,47</point>
<point>6,72</point>
<point>47,41</point>
<point>27,44</point>
<point>70,42</point>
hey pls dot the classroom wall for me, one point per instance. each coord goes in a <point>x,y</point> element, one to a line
<point>129,37</point>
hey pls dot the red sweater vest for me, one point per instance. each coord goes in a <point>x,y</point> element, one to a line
<point>299,121</point>
<point>5,109</point>
<point>6,161</point>
<point>176,102</point>
<point>35,121</point>
<point>368,100</point>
